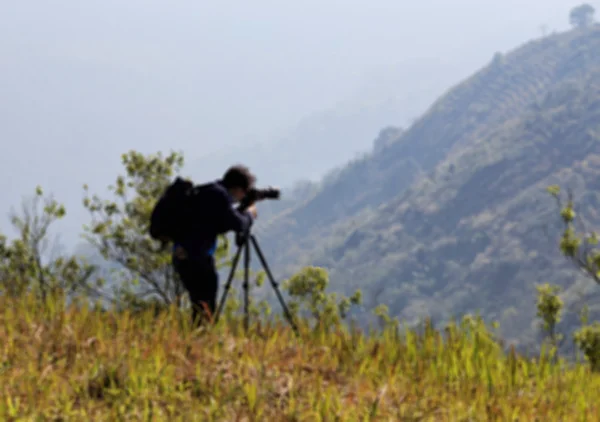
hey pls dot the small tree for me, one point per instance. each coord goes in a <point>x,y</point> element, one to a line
<point>26,264</point>
<point>587,338</point>
<point>382,312</point>
<point>580,248</point>
<point>582,16</point>
<point>307,289</point>
<point>119,229</point>
<point>549,308</point>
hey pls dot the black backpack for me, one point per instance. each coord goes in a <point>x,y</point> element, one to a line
<point>167,220</point>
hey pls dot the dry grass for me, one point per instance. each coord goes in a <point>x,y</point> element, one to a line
<point>81,365</point>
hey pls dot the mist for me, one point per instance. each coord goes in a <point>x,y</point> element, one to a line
<point>84,82</point>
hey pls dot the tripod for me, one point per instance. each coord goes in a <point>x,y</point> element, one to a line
<point>243,242</point>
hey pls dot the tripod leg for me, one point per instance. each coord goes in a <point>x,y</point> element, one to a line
<point>275,285</point>
<point>234,263</point>
<point>246,282</point>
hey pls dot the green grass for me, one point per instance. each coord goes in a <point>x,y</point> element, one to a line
<point>81,364</point>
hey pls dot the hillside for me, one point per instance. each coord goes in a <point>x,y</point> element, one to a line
<point>449,217</point>
<point>75,363</point>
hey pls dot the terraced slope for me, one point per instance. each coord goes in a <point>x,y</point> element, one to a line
<point>438,221</point>
<point>484,231</point>
<point>473,109</point>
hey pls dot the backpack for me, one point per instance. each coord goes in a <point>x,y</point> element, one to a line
<point>167,220</point>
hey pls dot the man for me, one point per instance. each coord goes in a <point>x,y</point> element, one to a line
<point>193,255</point>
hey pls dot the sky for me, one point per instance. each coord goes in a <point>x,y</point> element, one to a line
<point>83,82</point>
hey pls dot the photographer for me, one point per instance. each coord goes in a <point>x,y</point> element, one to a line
<point>215,215</point>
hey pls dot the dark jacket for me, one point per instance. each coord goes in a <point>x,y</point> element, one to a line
<point>214,215</point>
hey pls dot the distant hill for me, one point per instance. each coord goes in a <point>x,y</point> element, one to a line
<point>451,215</point>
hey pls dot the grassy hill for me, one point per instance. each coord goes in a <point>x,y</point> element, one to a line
<point>78,363</point>
<point>452,216</point>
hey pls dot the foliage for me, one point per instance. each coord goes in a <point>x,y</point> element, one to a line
<point>120,228</point>
<point>382,312</point>
<point>307,290</point>
<point>579,246</point>
<point>582,16</point>
<point>587,338</point>
<point>549,307</point>
<point>26,264</point>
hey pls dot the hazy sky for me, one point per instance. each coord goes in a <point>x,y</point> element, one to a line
<point>84,81</point>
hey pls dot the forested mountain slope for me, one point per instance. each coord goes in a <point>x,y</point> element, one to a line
<point>449,217</point>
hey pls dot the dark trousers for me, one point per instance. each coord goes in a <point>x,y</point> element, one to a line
<point>200,279</point>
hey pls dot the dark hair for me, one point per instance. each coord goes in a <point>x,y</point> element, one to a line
<point>238,176</point>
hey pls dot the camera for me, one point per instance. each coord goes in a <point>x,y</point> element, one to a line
<point>260,194</point>
<point>255,195</point>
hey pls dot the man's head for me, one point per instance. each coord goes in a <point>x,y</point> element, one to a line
<point>237,180</point>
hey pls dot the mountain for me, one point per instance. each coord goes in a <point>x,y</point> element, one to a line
<point>451,215</point>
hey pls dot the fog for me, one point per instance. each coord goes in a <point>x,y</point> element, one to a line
<point>83,82</point>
